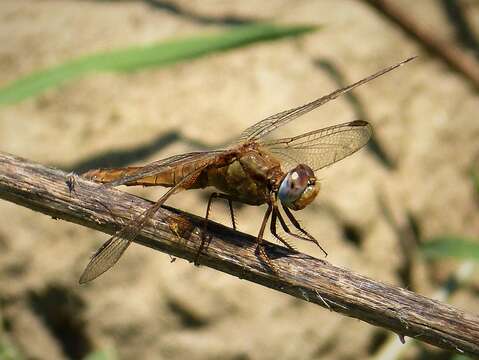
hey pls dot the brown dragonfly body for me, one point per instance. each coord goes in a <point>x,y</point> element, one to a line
<point>253,170</point>
<point>243,174</point>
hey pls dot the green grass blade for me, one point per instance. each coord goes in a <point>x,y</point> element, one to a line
<point>451,246</point>
<point>8,351</point>
<point>140,57</point>
<point>108,354</point>
<point>461,357</point>
<point>475,179</point>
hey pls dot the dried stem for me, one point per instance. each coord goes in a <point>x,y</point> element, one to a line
<point>177,233</point>
<point>453,55</point>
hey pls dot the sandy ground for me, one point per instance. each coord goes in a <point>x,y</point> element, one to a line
<point>425,120</point>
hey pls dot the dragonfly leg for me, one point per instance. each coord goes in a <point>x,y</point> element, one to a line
<point>274,217</point>
<point>204,240</point>
<point>230,205</point>
<point>288,231</point>
<point>260,248</point>
<point>304,232</point>
<point>232,213</point>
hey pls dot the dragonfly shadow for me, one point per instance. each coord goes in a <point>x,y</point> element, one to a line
<point>361,113</point>
<point>124,157</point>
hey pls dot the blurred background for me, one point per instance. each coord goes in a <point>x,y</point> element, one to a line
<point>87,84</point>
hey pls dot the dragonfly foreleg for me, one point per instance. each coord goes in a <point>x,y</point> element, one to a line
<point>274,217</point>
<point>289,232</point>
<point>297,225</point>
<point>260,247</point>
<point>204,239</point>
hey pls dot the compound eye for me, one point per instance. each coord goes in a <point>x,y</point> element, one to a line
<point>298,188</point>
<point>292,187</point>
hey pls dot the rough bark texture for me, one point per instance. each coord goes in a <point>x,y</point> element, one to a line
<point>177,233</point>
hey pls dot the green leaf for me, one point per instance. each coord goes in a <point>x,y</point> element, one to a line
<point>141,57</point>
<point>8,351</point>
<point>101,355</point>
<point>475,179</point>
<point>461,357</point>
<point>451,246</point>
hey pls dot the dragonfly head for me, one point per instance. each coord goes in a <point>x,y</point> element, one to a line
<point>298,188</point>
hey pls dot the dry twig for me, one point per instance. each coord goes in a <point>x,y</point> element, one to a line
<point>453,55</point>
<point>177,233</point>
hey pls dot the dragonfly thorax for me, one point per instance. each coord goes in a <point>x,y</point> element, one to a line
<point>298,188</point>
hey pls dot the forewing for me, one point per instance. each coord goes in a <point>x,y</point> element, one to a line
<point>322,147</point>
<point>264,127</point>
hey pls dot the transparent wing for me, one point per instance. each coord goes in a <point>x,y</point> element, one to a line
<point>111,251</point>
<point>264,127</point>
<point>322,147</point>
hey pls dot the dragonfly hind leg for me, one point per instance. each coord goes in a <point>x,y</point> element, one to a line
<point>204,240</point>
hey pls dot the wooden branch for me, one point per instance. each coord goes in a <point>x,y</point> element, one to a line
<point>453,55</point>
<point>177,233</point>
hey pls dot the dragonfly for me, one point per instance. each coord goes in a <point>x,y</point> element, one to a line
<point>253,170</point>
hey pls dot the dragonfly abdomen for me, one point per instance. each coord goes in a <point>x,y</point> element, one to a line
<point>164,178</point>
